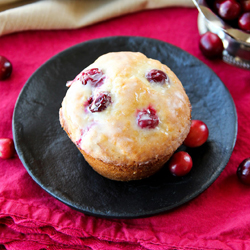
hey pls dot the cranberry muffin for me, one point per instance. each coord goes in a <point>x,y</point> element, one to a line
<point>127,114</point>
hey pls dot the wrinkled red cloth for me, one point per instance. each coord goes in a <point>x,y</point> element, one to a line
<point>30,218</point>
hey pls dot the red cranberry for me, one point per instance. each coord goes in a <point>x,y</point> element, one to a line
<point>180,163</point>
<point>7,149</point>
<point>94,77</point>
<point>211,45</point>
<point>244,22</point>
<point>197,135</point>
<point>147,118</point>
<point>5,68</point>
<point>245,4</point>
<point>157,76</point>
<point>227,9</point>
<point>99,102</point>
<point>243,171</point>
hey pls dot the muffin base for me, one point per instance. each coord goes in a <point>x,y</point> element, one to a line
<point>120,172</point>
<point>125,172</point>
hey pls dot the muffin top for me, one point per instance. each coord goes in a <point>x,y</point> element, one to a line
<point>126,108</point>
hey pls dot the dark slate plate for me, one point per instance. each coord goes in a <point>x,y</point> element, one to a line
<point>55,164</point>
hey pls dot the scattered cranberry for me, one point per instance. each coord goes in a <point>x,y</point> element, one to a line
<point>245,4</point>
<point>243,171</point>
<point>94,76</point>
<point>147,118</point>
<point>244,22</point>
<point>180,164</point>
<point>227,9</point>
<point>5,68</point>
<point>197,135</point>
<point>211,45</point>
<point>7,149</point>
<point>157,76</point>
<point>99,102</point>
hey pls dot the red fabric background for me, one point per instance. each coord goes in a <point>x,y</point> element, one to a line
<point>31,219</point>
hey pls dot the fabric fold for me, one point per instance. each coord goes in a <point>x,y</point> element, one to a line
<point>70,14</point>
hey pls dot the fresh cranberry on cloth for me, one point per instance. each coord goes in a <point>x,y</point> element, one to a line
<point>30,218</point>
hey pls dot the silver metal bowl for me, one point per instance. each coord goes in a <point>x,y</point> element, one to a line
<point>236,42</point>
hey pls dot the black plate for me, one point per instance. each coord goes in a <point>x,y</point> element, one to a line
<point>56,165</point>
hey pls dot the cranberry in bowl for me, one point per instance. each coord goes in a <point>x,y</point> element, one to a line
<point>227,19</point>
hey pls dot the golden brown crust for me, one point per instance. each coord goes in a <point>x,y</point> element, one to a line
<point>134,171</point>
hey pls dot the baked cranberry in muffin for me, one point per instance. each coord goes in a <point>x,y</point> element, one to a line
<point>93,77</point>
<point>157,76</point>
<point>147,118</point>
<point>127,114</point>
